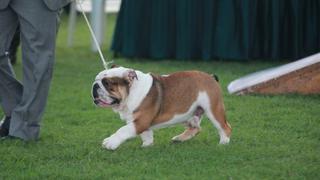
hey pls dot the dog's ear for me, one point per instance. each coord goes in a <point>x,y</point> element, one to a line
<point>114,66</point>
<point>130,76</point>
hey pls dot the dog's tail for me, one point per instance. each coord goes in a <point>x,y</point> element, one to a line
<point>215,77</point>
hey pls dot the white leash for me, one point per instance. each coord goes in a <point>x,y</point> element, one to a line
<point>105,64</point>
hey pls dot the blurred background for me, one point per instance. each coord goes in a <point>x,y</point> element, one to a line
<point>205,29</point>
<point>218,29</point>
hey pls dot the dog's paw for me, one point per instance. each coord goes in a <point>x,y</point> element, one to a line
<point>111,143</point>
<point>176,139</point>
<point>147,144</point>
<point>224,140</point>
<point>181,138</point>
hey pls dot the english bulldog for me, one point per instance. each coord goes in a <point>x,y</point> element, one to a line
<point>146,102</point>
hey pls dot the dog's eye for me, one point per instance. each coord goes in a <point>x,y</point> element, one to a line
<point>112,86</point>
<point>109,84</point>
<point>105,83</point>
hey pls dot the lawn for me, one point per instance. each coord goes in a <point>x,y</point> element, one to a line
<point>274,137</point>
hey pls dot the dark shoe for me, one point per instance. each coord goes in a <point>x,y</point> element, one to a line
<point>4,128</point>
<point>4,132</point>
<point>9,138</point>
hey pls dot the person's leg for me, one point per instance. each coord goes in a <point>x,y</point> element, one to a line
<point>10,88</point>
<point>14,46</point>
<point>38,27</point>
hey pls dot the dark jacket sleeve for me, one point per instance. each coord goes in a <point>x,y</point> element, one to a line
<point>4,4</point>
<point>56,4</point>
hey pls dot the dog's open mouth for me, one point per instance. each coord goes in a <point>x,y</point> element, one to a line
<point>103,103</point>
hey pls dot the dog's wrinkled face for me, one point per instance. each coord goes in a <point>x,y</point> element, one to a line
<point>111,87</point>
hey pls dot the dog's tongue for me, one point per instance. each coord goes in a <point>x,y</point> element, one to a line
<point>103,103</point>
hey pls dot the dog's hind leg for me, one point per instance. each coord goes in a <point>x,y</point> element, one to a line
<point>147,138</point>
<point>216,114</point>
<point>192,127</point>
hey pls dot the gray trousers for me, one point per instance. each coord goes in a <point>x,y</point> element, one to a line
<point>25,102</point>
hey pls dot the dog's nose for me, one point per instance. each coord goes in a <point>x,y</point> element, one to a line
<point>95,88</point>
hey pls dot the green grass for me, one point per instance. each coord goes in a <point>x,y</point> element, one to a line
<point>274,137</point>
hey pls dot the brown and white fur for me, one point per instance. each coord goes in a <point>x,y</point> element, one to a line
<point>147,102</point>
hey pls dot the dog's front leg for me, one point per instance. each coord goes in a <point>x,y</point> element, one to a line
<point>126,132</point>
<point>147,138</point>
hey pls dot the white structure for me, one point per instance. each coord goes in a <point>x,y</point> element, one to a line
<point>254,79</point>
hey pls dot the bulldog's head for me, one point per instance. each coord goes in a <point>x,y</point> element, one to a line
<point>111,87</point>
